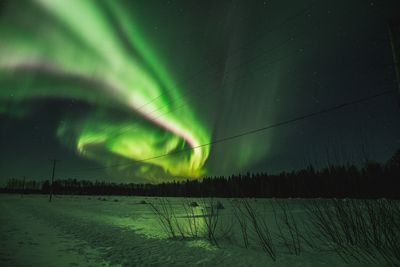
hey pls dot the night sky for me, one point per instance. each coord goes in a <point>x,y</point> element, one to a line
<point>101,85</point>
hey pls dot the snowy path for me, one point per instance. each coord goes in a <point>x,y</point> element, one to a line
<point>27,241</point>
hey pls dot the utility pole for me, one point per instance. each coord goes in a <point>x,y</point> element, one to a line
<point>394,33</point>
<point>52,178</point>
<point>23,187</point>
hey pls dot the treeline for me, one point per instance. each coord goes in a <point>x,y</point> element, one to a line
<point>373,180</point>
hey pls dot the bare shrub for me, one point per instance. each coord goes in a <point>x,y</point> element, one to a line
<point>166,217</point>
<point>191,225</point>
<point>360,230</point>
<point>238,214</point>
<point>260,228</point>
<point>211,218</point>
<point>192,222</point>
<point>288,228</point>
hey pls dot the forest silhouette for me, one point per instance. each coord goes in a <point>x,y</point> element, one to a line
<point>371,180</point>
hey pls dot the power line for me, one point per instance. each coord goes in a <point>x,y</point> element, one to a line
<point>263,65</point>
<point>253,131</point>
<point>236,79</point>
<point>238,49</point>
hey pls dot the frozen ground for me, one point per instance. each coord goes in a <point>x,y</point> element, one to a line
<point>120,231</point>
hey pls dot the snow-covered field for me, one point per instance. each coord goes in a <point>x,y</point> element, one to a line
<point>123,231</point>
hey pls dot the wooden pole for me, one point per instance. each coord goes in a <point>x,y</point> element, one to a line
<point>52,179</point>
<point>23,187</point>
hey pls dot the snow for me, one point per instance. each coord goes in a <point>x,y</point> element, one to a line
<point>120,231</point>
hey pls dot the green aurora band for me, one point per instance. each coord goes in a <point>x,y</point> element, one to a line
<point>93,52</point>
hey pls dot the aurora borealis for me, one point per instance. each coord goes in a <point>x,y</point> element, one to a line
<point>116,82</point>
<point>110,69</point>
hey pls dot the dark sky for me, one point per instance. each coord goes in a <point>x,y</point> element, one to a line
<point>100,86</point>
